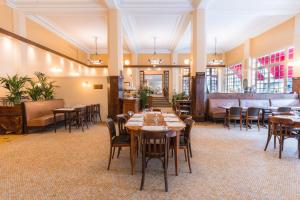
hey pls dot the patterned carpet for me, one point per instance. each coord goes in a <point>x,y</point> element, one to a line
<point>227,164</point>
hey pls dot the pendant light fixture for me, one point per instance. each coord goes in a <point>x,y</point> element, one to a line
<point>154,60</point>
<point>215,62</point>
<point>94,59</point>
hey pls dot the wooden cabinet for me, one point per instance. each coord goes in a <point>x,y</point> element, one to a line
<point>131,104</point>
<point>11,119</point>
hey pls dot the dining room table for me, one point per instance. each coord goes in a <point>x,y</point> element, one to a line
<point>295,118</point>
<point>155,121</point>
<point>67,111</point>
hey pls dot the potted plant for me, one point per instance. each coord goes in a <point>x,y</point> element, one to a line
<point>47,87</point>
<point>144,92</point>
<point>179,96</point>
<point>35,91</point>
<point>15,86</point>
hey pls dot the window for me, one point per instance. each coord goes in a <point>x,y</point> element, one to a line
<point>186,81</point>
<point>272,73</point>
<point>212,80</point>
<point>233,78</point>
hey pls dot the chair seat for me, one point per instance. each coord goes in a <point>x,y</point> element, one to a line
<point>121,140</point>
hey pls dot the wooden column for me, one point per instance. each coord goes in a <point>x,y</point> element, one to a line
<point>115,63</point>
<point>198,96</point>
<point>198,65</point>
<point>296,85</point>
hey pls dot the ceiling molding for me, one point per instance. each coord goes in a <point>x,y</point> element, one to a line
<point>181,27</point>
<point>54,28</point>
<point>129,33</point>
<point>150,11</point>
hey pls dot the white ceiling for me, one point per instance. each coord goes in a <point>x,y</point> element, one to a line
<point>231,21</point>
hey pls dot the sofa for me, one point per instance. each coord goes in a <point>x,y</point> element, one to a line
<point>214,110</point>
<point>39,113</point>
<point>215,113</point>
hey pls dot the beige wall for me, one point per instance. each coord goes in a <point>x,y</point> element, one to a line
<point>42,36</point>
<point>277,38</point>
<point>72,91</point>
<point>235,55</point>
<point>6,17</point>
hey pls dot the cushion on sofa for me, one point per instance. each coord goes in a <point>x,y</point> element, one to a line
<point>214,110</point>
<point>260,103</point>
<point>45,120</point>
<point>285,102</point>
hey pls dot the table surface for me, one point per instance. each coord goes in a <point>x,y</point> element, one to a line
<point>171,121</point>
<point>294,118</point>
<point>265,108</point>
<point>66,109</point>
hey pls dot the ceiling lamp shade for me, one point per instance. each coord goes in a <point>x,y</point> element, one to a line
<point>154,60</point>
<point>94,59</point>
<point>215,62</point>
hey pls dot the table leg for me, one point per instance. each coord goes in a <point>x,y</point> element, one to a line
<point>65,115</point>
<point>132,151</point>
<point>69,119</point>
<point>177,152</point>
<point>54,122</point>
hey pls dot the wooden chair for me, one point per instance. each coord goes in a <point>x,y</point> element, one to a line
<point>78,119</point>
<point>185,141</point>
<point>273,130</point>
<point>287,131</point>
<point>282,129</point>
<point>156,109</point>
<point>115,141</point>
<point>284,109</point>
<point>155,145</point>
<point>252,114</point>
<point>235,113</point>
<point>96,112</point>
<point>122,119</point>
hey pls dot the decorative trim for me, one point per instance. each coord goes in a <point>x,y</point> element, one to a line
<point>30,42</point>
<point>158,66</point>
<point>53,28</point>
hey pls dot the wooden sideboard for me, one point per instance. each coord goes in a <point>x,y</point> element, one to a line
<point>11,119</point>
<point>131,104</point>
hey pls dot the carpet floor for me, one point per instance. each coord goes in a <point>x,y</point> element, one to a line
<point>226,164</point>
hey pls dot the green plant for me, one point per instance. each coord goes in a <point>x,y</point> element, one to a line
<point>144,92</point>
<point>15,85</point>
<point>47,87</point>
<point>35,92</point>
<point>179,96</point>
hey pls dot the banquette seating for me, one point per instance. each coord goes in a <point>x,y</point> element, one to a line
<point>39,113</point>
<point>216,113</point>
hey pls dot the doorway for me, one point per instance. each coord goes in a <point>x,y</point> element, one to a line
<point>155,82</point>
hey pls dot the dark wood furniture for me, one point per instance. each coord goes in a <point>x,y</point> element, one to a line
<point>183,107</point>
<point>131,104</point>
<point>115,141</point>
<point>122,119</point>
<point>155,145</point>
<point>284,109</point>
<point>235,113</point>
<point>67,112</point>
<point>283,127</point>
<point>252,113</point>
<point>198,96</point>
<point>11,119</point>
<point>148,120</point>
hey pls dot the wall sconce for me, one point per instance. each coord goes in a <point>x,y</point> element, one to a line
<point>74,74</point>
<point>127,62</point>
<point>186,61</point>
<point>86,84</point>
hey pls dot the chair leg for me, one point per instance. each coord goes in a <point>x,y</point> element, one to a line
<point>143,168</point>
<point>185,155</point>
<point>280,146</point>
<point>189,161</point>
<point>241,123</point>
<point>166,174</point>
<point>268,140</point>
<point>274,141</point>
<point>119,150</point>
<point>109,161</point>
<point>247,123</point>
<point>113,155</point>
<point>258,125</point>
<point>190,147</point>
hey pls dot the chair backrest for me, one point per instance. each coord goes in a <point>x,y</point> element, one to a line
<point>154,143</point>
<point>122,119</point>
<point>253,112</point>
<point>111,128</point>
<point>189,123</point>
<point>184,117</point>
<point>235,111</point>
<point>284,109</point>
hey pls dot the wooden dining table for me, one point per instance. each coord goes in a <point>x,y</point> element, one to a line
<point>154,119</point>
<point>294,118</point>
